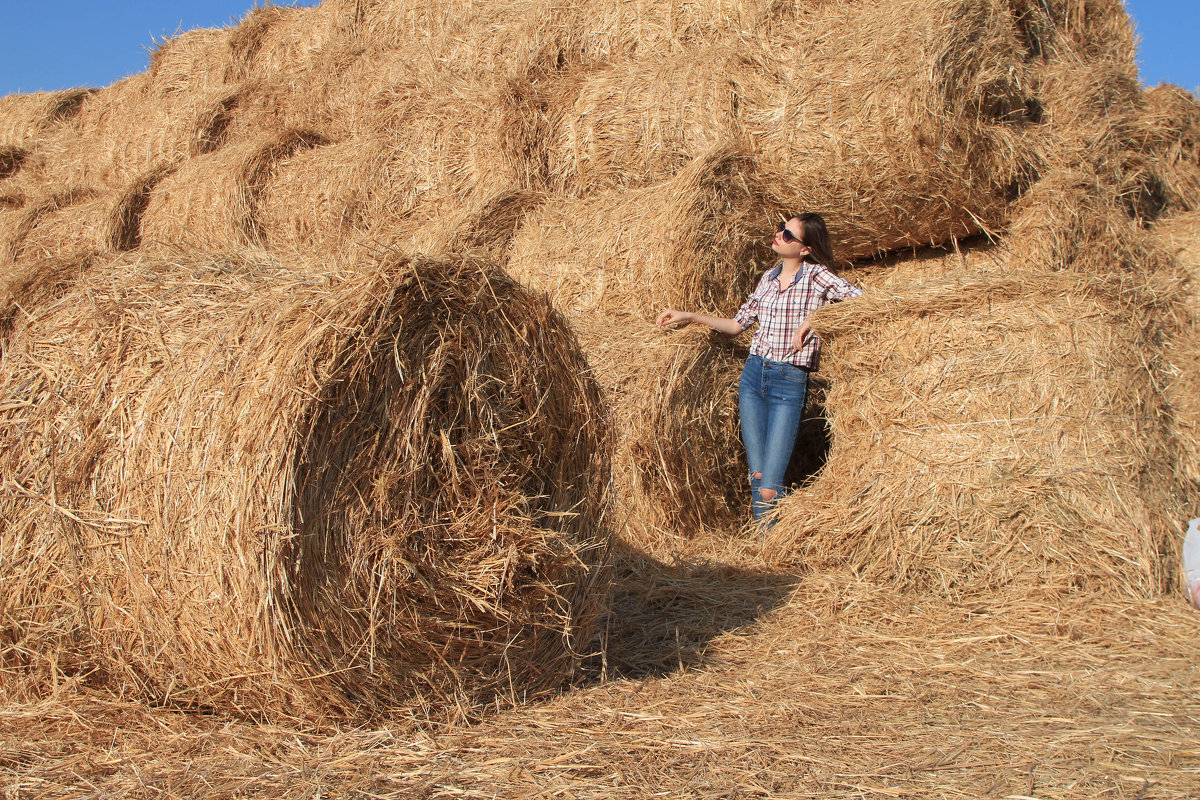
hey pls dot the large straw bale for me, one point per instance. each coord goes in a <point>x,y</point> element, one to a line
<point>696,240</point>
<point>1172,118</point>
<point>259,487</point>
<point>212,201</point>
<point>524,38</point>
<point>47,212</point>
<point>636,123</point>
<point>280,39</point>
<point>128,128</point>
<point>998,427</point>
<point>353,198</point>
<point>1180,237</point>
<point>323,199</point>
<point>904,122</point>
<point>84,220</point>
<point>419,173</point>
<point>192,61</point>
<point>678,464</point>
<point>504,38</point>
<point>23,117</point>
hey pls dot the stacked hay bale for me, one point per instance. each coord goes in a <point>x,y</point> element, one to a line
<point>1180,237</point>
<point>242,484</point>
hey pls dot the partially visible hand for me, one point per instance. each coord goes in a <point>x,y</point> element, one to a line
<point>670,316</point>
<point>802,333</point>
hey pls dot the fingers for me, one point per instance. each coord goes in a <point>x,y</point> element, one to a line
<point>668,316</point>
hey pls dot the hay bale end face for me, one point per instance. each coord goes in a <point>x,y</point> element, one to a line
<point>1022,444</point>
<point>250,486</point>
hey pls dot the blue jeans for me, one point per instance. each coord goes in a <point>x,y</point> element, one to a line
<point>771,402</point>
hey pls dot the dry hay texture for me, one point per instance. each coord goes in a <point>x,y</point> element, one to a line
<point>248,485</point>
<point>1180,236</point>
<point>1013,418</point>
<point>687,241</point>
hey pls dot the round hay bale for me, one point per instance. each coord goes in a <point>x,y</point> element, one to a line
<point>1172,118</point>
<point>20,240</point>
<point>1179,236</point>
<point>212,201</point>
<point>323,199</point>
<point>694,241</point>
<point>506,38</point>
<point>637,123</point>
<point>195,60</point>
<point>127,129</point>
<point>350,199</point>
<point>83,220</point>
<point>998,428</point>
<point>23,117</point>
<point>903,122</point>
<point>261,488</point>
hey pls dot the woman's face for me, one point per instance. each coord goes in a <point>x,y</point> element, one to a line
<point>790,247</point>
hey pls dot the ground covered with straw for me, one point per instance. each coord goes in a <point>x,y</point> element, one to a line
<point>722,682</point>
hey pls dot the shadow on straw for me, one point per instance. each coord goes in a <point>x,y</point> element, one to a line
<point>663,616</point>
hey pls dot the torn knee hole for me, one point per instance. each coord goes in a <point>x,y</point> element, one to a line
<point>767,494</point>
<point>757,475</point>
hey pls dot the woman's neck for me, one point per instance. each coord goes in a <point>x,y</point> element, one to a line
<point>791,265</point>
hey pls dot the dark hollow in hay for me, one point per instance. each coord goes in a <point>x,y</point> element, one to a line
<point>11,159</point>
<point>249,486</point>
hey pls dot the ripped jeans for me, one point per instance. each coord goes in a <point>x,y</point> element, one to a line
<point>771,402</point>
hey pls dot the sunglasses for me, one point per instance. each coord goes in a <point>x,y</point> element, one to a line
<point>788,236</point>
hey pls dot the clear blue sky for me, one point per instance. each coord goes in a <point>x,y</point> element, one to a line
<point>55,44</point>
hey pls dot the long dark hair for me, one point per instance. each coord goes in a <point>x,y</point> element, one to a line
<point>816,238</point>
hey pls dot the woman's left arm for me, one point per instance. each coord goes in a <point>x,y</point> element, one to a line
<point>836,289</point>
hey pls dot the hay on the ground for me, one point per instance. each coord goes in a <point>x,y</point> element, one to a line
<point>237,484</point>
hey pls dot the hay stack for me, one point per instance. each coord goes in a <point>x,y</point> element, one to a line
<point>245,485</point>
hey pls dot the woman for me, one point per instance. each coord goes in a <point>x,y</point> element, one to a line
<point>774,381</point>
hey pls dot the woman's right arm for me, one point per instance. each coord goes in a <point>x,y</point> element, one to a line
<point>728,326</point>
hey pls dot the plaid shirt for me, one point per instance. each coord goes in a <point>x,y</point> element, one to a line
<point>779,312</point>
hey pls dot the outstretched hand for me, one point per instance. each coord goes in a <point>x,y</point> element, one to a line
<point>670,316</point>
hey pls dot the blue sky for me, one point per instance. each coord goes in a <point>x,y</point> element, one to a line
<point>55,44</point>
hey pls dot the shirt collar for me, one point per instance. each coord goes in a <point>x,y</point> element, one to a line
<point>774,274</point>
